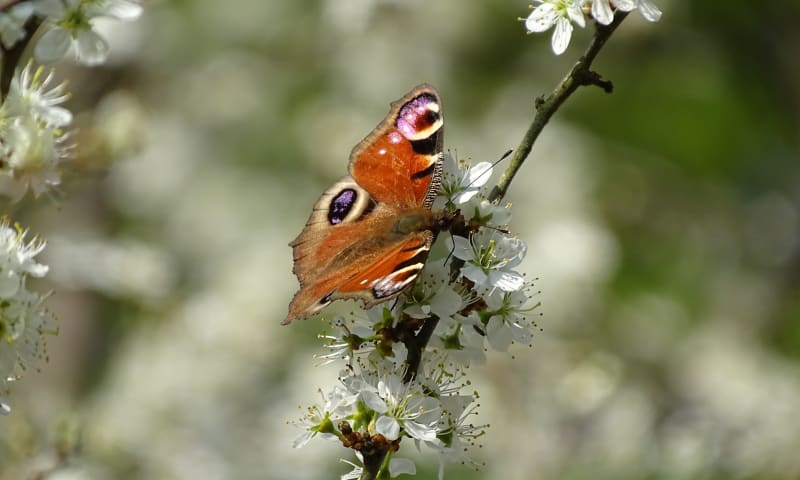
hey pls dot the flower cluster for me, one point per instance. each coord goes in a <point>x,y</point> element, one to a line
<point>23,319</point>
<point>561,14</point>
<point>471,298</point>
<point>70,27</point>
<point>33,143</point>
<point>34,146</point>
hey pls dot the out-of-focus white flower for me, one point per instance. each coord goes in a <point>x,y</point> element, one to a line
<point>17,257</point>
<point>32,142</point>
<point>23,319</point>
<point>33,153</point>
<point>12,23</point>
<point>560,14</point>
<point>489,259</point>
<point>29,94</point>
<point>71,29</point>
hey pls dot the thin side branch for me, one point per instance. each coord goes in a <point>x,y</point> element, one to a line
<point>580,75</point>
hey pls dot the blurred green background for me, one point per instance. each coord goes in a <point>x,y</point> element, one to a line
<point>663,222</point>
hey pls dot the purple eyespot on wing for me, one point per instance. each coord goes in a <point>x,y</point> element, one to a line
<point>340,205</point>
<point>418,115</point>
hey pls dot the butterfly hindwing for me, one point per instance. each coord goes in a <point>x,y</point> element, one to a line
<point>385,277</point>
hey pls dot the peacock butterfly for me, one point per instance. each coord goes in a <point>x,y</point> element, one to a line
<point>369,234</point>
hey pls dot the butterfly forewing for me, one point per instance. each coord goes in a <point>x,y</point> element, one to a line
<point>398,162</point>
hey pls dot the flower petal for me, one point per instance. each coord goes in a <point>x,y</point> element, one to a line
<point>53,45</point>
<point>474,273</point>
<point>499,336</point>
<point>506,281</point>
<point>625,5</point>
<point>541,18</point>
<point>122,10</point>
<point>575,13</point>
<point>561,36</point>
<point>92,48</point>
<point>446,302</point>
<point>401,466</point>
<point>373,401</point>
<point>388,427</point>
<point>478,175</point>
<point>649,10</point>
<point>601,11</point>
<point>420,431</point>
<point>303,439</point>
<point>461,247</point>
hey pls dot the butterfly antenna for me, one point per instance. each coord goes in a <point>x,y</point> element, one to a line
<point>394,304</point>
<point>452,250</point>
<point>494,164</point>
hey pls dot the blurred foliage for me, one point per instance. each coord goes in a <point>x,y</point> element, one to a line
<point>663,221</point>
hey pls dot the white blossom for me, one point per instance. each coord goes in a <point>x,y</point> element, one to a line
<point>489,259</point>
<point>353,336</point>
<point>70,30</point>
<point>461,181</point>
<point>403,405</point>
<point>486,213</point>
<point>560,14</point>
<point>433,294</point>
<point>317,420</point>
<point>23,319</point>
<point>12,23</point>
<point>31,94</point>
<point>33,144</point>
<point>461,340</point>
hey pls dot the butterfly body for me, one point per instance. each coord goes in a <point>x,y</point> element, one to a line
<point>369,234</point>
